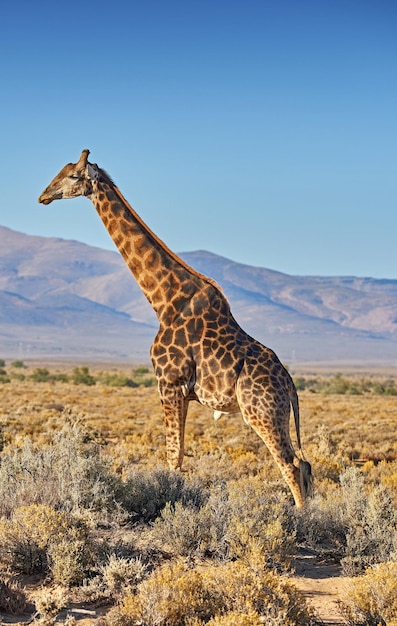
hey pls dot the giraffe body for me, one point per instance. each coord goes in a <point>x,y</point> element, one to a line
<point>200,352</point>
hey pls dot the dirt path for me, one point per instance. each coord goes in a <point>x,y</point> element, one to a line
<point>323,585</point>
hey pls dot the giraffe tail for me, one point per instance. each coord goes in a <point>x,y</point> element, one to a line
<point>305,469</point>
<point>305,479</point>
<point>293,396</point>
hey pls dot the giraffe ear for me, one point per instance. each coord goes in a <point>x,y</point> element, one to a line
<point>82,162</point>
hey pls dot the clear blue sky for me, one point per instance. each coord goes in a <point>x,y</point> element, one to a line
<point>264,131</point>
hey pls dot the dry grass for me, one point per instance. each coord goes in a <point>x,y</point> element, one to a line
<point>124,516</point>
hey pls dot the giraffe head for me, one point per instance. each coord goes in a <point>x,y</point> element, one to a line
<point>75,179</point>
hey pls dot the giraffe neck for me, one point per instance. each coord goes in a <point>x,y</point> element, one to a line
<point>166,281</point>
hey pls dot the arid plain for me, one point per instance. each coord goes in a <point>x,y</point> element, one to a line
<point>132,528</point>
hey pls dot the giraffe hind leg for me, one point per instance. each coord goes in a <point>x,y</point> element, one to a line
<point>267,411</point>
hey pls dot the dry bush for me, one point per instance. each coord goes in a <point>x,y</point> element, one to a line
<point>25,537</point>
<point>321,528</point>
<point>69,474</point>
<point>50,602</point>
<point>236,520</point>
<point>121,575</point>
<point>370,517</point>
<point>372,597</point>
<point>12,597</point>
<point>146,492</point>
<point>356,524</point>
<point>230,505</point>
<point>236,619</point>
<point>327,459</point>
<point>261,520</point>
<point>37,538</point>
<point>69,559</point>
<point>175,595</point>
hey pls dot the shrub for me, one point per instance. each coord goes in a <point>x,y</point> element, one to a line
<point>17,376</point>
<point>121,576</point>
<point>12,597</point>
<point>172,596</point>
<point>372,597</point>
<point>4,378</point>
<point>186,531</point>
<point>371,522</point>
<point>117,380</point>
<point>175,595</point>
<point>18,364</point>
<point>82,376</point>
<point>40,375</point>
<point>250,588</point>
<point>31,533</point>
<point>321,528</point>
<point>146,493</point>
<point>50,602</point>
<point>68,474</point>
<point>260,523</point>
<point>147,382</point>
<point>69,558</point>
<point>43,375</point>
<point>355,524</point>
<point>243,520</point>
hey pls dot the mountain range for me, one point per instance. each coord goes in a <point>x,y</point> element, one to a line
<point>61,298</point>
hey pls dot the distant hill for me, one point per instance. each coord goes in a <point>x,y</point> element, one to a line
<point>62,298</point>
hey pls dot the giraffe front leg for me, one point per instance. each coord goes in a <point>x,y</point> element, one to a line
<point>175,407</point>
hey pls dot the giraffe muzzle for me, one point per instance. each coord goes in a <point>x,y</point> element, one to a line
<point>47,198</point>
<point>44,200</point>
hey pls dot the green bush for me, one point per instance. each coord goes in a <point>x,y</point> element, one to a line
<point>40,375</point>
<point>18,364</point>
<point>4,378</point>
<point>338,384</point>
<point>117,380</point>
<point>82,376</point>
<point>17,376</point>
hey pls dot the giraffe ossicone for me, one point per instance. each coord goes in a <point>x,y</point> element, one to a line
<point>200,352</point>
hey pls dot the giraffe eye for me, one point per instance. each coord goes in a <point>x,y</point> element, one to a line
<point>74,177</point>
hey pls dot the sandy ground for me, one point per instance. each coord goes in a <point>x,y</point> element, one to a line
<point>323,585</point>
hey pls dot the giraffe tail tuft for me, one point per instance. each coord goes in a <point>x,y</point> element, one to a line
<point>306,479</point>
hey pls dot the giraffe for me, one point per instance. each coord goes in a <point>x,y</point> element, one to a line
<point>200,352</point>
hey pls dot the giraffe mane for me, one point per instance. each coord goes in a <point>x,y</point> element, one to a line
<point>109,181</point>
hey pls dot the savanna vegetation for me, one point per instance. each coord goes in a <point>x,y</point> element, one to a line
<point>90,515</point>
